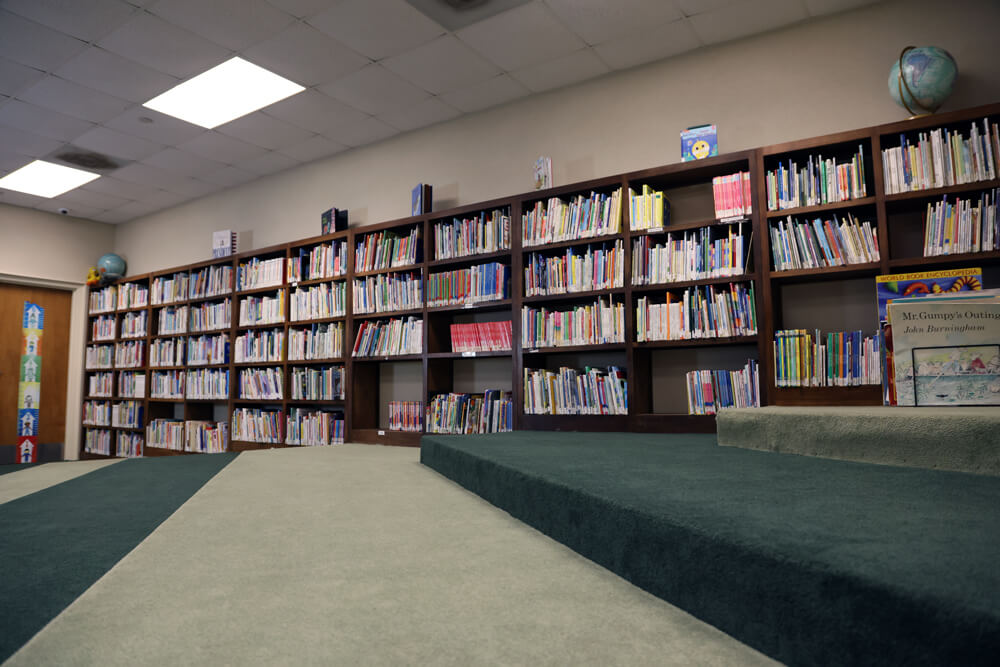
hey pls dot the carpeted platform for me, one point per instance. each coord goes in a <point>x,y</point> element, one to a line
<point>809,560</point>
<point>961,439</point>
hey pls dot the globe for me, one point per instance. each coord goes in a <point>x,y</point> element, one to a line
<point>113,265</point>
<point>928,76</point>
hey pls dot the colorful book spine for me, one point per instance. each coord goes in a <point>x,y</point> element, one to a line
<point>127,414</point>
<point>256,425</point>
<point>168,289</point>
<point>317,384</point>
<point>167,384</point>
<point>166,434</point>
<point>327,260</point>
<point>389,338</point>
<point>99,356</point>
<point>314,428</point>
<point>838,359</point>
<point>709,391</point>
<point>206,437</point>
<point>320,341</point>
<point>257,273</point>
<point>211,316</point>
<point>387,293</point>
<point>490,412</point>
<point>260,384</point>
<point>210,281</point>
<point>599,323</point>
<point>463,237</point>
<point>475,337</point>
<point>97,413</point>
<point>166,352</point>
<point>962,227</point>
<point>570,391</point>
<point>822,243</point>
<point>208,350</point>
<point>132,295</point>
<point>708,311</point>
<point>128,445</point>
<point>648,209</point>
<point>267,309</point>
<point>173,320</point>
<point>596,268</point>
<point>97,441</point>
<point>133,325</point>
<point>582,217</point>
<point>731,194</point>
<point>131,385</point>
<point>208,384</point>
<point>940,158</point>
<point>318,302</point>
<point>103,327</point>
<point>100,384</point>
<point>476,284</point>
<point>103,300</point>
<point>129,354</point>
<point>405,416</point>
<point>719,251</point>
<point>386,250</point>
<point>818,181</point>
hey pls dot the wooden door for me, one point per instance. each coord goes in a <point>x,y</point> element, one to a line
<point>55,357</point>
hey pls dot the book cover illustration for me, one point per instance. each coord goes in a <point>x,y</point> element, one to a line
<point>542,174</point>
<point>420,199</point>
<point>699,142</point>
<point>223,243</point>
<point>333,220</point>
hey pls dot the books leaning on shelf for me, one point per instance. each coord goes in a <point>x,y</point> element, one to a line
<point>485,233</point>
<point>261,384</point>
<point>103,300</point>
<point>455,414</point>
<point>256,273</point>
<point>327,260</point>
<point>208,384</point>
<point>318,302</point>
<point>732,195</point>
<point>132,295</point>
<point>133,325</point>
<point>210,281</point>
<point>127,414</point>
<point>211,316</point>
<point>822,243</point>
<point>167,289</point>
<point>165,434</point>
<point>320,341</point>
<point>599,323</point>
<point>166,352</point>
<point>100,356</point>
<point>103,327</point>
<point>709,391</point>
<point>389,337</point>
<point>96,413</point>
<point>173,320</point>
<point>708,311</point>
<point>128,445</point>
<point>840,359</point>
<point>386,250</point>
<point>97,441</point>
<point>317,384</point>
<point>100,385</point>
<point>568,391</point>
<point>580,218</point>
<point>256,425</point>
<point>131,385</point>
<point>819,181</point>
<point>717,251</point>
<point>405,416</point>
<point>129,354</point>
<point>167,384</point>
<point>266,309</point>
<point>940,158</point>
<point>951,229</point>
<point>476,284</point>
<point>481,337</point>
<point>205,437</point>
<point>649,210</point>
<point>386,293</point>
<point>314,428</point>
<point>597,268</point>
<point>208,350</point>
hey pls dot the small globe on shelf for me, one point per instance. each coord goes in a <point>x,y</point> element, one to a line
<point>111,267</point>
<point>922,78</point>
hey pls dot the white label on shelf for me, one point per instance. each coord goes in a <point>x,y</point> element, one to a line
<point>469,305</point>
<point>654,230</point>
<point>381,432</point>
<point>533,351</point>
<point>468,354</point>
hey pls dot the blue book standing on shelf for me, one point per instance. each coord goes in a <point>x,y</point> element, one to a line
<point>333,220</point>
<point>699,142</point>
<point>420,199</point>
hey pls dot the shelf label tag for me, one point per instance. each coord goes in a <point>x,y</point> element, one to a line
<point>381,432</point>
<point>468,354</point>
<point>469,304</point>
<point>654,230</point>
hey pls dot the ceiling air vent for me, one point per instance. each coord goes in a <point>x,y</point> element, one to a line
<point>84,159</point>
<point>455,14</point>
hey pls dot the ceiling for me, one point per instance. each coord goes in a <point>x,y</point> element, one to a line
<point>74,75</point>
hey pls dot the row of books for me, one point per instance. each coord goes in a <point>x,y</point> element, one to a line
<point>256,425</point>
<point>490,412</point>
<point>317,384</point>
<point>100,384</point>
<point>102,300</point>
<point>173,320</point>
<point>168,289</point>
<point>942,157</point>
<point>818,181</point>
<point>462,237</point>
<point>397,336</point>
<point>133,325</point>
<point>314,427</point>
<point>263,309</point>
<point>129,354</point>
<point>320,341</point>
<point>99,356</point>
<point>260,384</point>
<point>103,328</point>
<point>208,384</point>
<point>386,249</point>
<point>210,281</point>
<point>132,295</point>
<point>126,414</point>
<point>96,413</point>
<point>319,301</point>
<point>840,359</point>
<point>166,384</point>
<point>709,391</point>
<point>405,416</point>
<point>327,260</point>
<point>704,253</point>
<point>731,194</point>
<point>598,323</point>
<point>131,384</point>
<point>128,445</point>
<point>962,227</point>
<point>206,437</point>
<point>166,352</point>
<point>708,311</point>
<point>596,268</point>
<point>570,391</point>
<point>476,284</point>
<point>388,292</point>
<point>97,441</point>
<point>257,272</point>
<point>835,242</point>
<point>481,336</point>
<point>648,210</point>
<point>580,218</point>
<point>260,345</point>
<point>211,316</point>
<point>208,350</point>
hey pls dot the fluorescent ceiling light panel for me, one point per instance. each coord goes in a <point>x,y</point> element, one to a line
<point>223,93</point>
<point>46,179</point>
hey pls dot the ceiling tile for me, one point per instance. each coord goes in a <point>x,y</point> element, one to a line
<point>26,143</point>
<point>219,147</point>
<point>313,148</point>
<point>377,28</point>
<point>583,64</point>
<point>230,176</point>
<point>104,71</point>
<point>824,7</point>
<point>492,92</point>
<point>191,187</point>
<point>115,187</point>
<point>305,55</point>
<point>312,110</point>
<point>98,200</point>
<point>112,217</point>
<point>128,212</point>
<point>428,112</point>
<point>442,65</point>
<point>264,131</point>
<point>20,199</point>
<point>598,21</point>
<point>144,174</point>
<point>269,163</point>
<point>153,42</point>
<point>744,19</point>
<point>71,98</point>
<point>117,144</point>
<point>645,46</point>
<point>57,205</point>
<point>9,160</point>
<point>88,20</point>
<point>32,118</point>
<point>183,162</point>
<point>301,8</point>
<point>374,90</point>
<point>15,77</point>
<point>34,45</point>
<point>364,132</point>
<point>695,7</point>
<point>524,36</point>
<point>164,129</point>
<point>236,24</point>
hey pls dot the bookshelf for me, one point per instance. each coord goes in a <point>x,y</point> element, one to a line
<point>291,314</point>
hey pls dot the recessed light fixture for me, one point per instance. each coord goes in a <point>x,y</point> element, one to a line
<point>223,93</point>
<point>46,179</point>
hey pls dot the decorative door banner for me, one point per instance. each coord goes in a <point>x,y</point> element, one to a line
<point>30,386</point>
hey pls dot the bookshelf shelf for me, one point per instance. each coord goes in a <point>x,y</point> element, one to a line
<point>660,287</point>
<point>822,208</point>
<point>696,342</point>
<point>559,245</point>
<point>828,272</point>
<point>567,349</point>
<point>573,296</point>
<point>936,193</point>
<point>471,307</point>
<point>388,314</point>
<point>393,269</point>
<point>470,259</point>
<point>388,358</point>
<point>958,259</point>
<point>469,355</point>
<point>689,225</point>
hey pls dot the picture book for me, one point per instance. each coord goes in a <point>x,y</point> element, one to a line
<point>420,199</point>
<point>542,174</point>
<point>699,142</point>
<point>947,349</point>
<point>333,220</point>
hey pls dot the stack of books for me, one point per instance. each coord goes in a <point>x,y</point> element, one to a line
<point>389,338</point>
<point>386,293</point>
<point>318,302</point>
<point>472,236</point>
<point>568,391</point>
<point>314,428</point>
<point>481,336</point>
<point>840,359</point>
<point>476,284</point>
<point>405,416</point>
<point>940,158</point>
<point>317,384</point>
<point>320,341</point>
<point>836,242</point>
<point>595,269</point>
<point>580,218</point>
<point>208,384</point>
<point>709,391</point>
<point>385,250</point>
<point>491,412</point>
<point>599,323</point>
<point>951,229</point>
<point>699,254</point>
<point>256,425</point>
<point>732,195</point>
<point>328,260</point>
<point>818,181</point>
<point>709,311</point>
<point>257,273</point>
<point>261,384</point>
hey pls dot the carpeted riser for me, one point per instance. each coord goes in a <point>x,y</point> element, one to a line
<point>785,609</point>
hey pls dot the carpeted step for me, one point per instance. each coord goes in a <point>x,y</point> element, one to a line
<point>809,560</point>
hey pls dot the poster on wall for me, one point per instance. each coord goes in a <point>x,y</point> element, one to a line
<point>29,386</point>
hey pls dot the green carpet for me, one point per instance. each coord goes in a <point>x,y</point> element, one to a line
<point>59,541</point>
<point>14,467</point>
<point>811,561</point>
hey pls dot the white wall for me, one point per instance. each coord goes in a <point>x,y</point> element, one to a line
<point>815,78</point>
